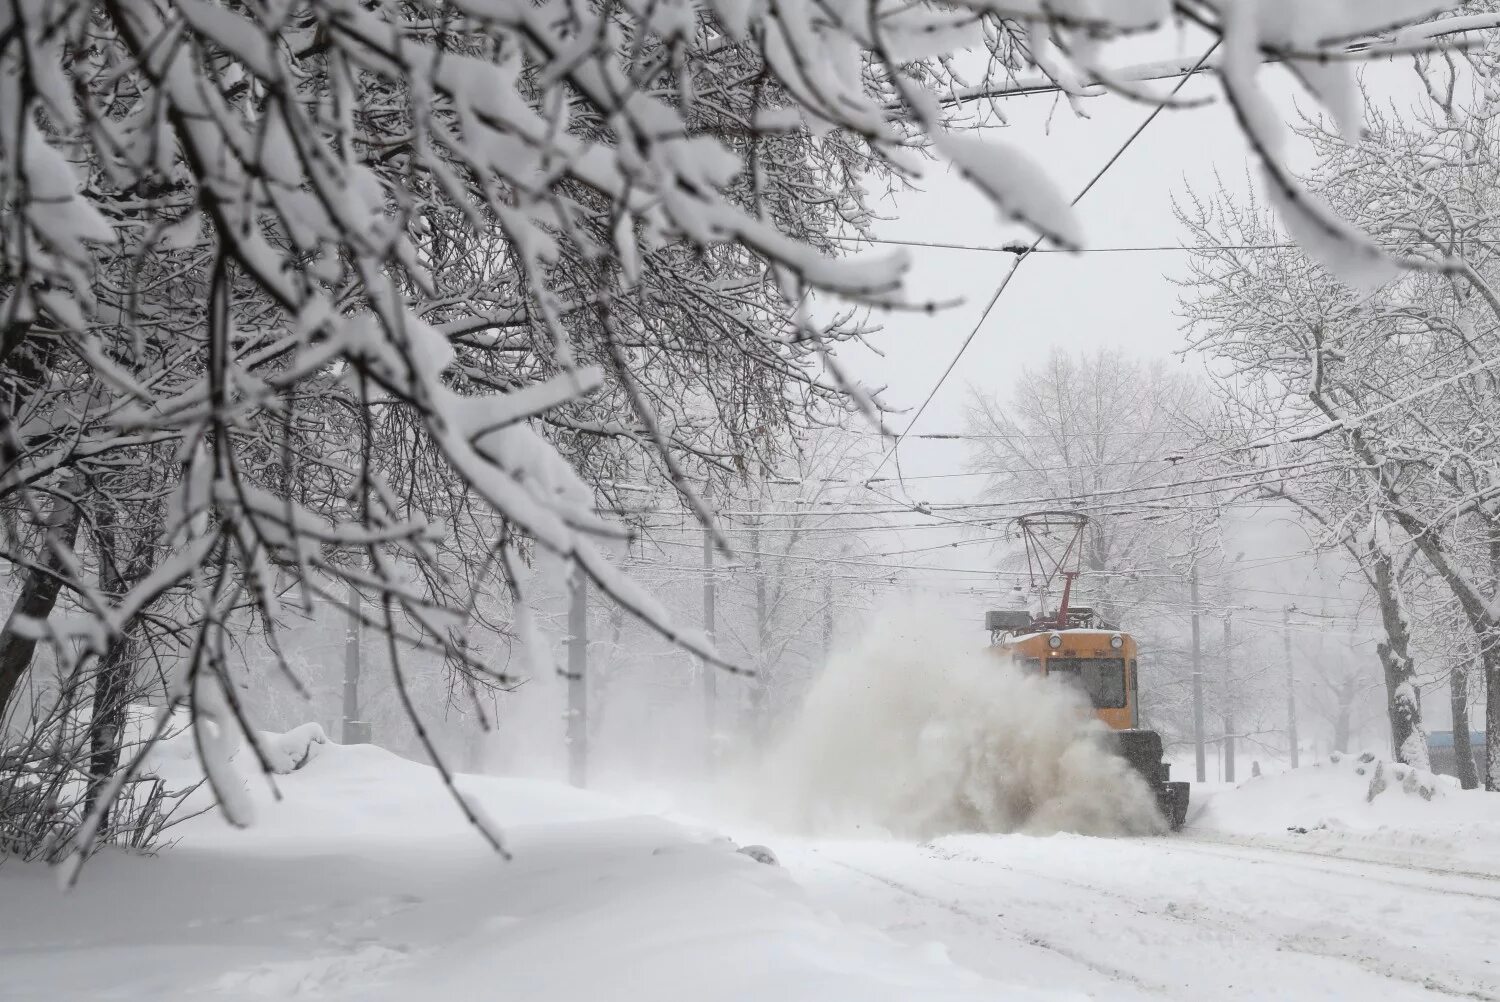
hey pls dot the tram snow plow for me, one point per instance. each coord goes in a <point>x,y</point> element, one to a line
<point>1074,645</point>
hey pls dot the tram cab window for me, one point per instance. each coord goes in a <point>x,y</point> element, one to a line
<point>1101,679</point>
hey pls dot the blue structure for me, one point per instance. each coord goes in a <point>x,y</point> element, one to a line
<point>1440,750</point>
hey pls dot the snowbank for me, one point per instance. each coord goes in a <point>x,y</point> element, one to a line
<point>175,756</point>
<point>1347,792</point>
<point>1356,800</point>
<point>364,882</point>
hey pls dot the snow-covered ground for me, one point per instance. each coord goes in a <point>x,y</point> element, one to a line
<point>1171,918</point>
<point>365,883</point>
<point>1395,897</point>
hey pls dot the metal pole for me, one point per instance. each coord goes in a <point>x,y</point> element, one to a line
<point>828,615</point>
<point>762,721</point>
<point>710,673</point>
<point>1228,699</point>
<point>578,706</point>
<point>1291,684</point>
<point>1198,755</point>
<point>352,732</point>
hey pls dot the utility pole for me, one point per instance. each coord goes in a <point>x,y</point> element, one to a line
<point>827,615</point>
<point>355,731</point>
<point>1198,756</point>
<point>710,673</point>
<point>762,721</point>
<point>1228,698</point>
<point>578,696</point>
<point>1291,684</point>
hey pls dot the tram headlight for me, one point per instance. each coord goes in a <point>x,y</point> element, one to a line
<point>1117,641</point>
<point>1054,641</point>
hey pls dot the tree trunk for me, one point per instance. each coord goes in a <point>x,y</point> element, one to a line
<point>1341,724</point>
<point>1463,756</point>
<point>1490,767</point>
<point>114,677</point>
<point>1489,657</point>
<point>112,693</point>
<point>762,697</point>
<point>1404,708</point>
<point>1403,697</point>
<point>39,589</point>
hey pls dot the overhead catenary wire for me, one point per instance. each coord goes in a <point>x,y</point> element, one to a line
<point>1165,503</point>
<point>1019,249</point>
<point>1035,243</point>
<point>1153,512</point>
<point>1082,499</point>
<point>975,588</point>
<point>1127,573</point>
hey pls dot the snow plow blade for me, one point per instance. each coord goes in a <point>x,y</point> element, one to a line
<point>1142,749</point>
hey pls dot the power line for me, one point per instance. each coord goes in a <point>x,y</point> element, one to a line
<point>1091,501</point>
<point>886,578</point>
<point>1025,250</point>
<point>1022,437</point>
<point>1131,574</point>
<point>1080,499</point>
<point>1120,512</point>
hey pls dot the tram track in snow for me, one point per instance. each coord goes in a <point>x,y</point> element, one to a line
<point>1232,923</point>
<point>1230,847</point>
<point>1109,971</point>
<point>1372,949</point>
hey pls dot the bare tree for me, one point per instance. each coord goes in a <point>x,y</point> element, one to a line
<point>1382,398</point>
<point>1101,433</point>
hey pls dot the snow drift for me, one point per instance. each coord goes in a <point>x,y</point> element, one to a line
<point>1346,793</point>
<point>364,883</point>
<point>917,732</point>
<point>1358,807</point>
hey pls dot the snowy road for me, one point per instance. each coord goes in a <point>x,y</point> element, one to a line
<point>1186,917</point>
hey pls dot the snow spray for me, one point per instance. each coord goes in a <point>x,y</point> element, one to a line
<point>917,731</point>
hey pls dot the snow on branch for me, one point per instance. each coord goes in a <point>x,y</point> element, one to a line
<point>316,296</point>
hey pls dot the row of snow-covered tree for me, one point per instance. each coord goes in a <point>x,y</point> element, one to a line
<point>1372,407</point>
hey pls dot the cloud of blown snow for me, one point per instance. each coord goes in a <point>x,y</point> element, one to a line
<point>919,732</point>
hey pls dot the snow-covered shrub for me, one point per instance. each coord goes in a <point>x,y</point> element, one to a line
<point>291,751</point>
<point>46,795</point>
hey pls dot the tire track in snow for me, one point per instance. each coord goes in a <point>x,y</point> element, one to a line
<point>1390,971</point>
<point>1243,851</point>
<point>1107,970</point>
<point>1305,942</point>
<point>1392,858</point>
